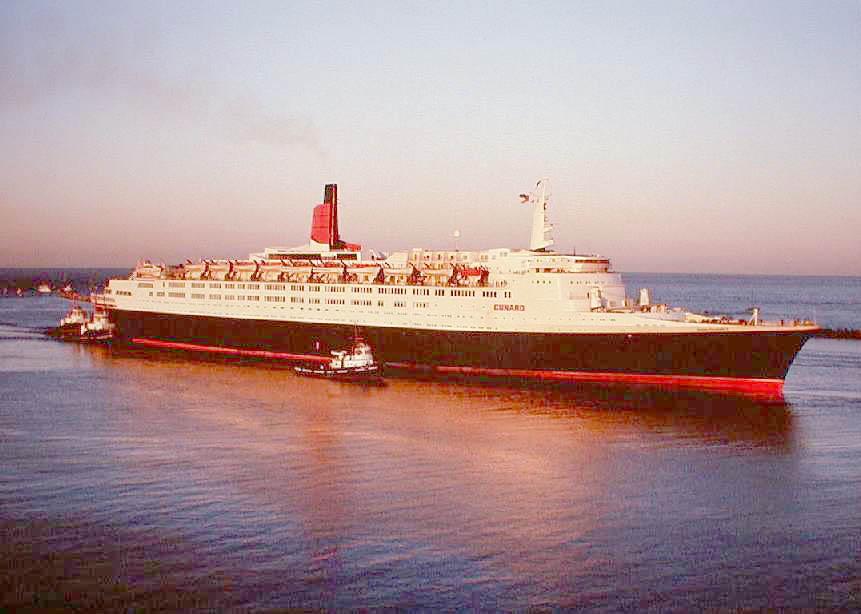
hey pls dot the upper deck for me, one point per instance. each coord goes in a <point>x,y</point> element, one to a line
<point>495,289</point>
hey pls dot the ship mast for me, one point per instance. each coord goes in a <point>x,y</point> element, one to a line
<point>541,227</point>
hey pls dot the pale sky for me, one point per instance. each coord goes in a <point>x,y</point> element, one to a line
<point>678,136</point>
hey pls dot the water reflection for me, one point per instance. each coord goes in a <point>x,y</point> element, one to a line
<point>306,492</point>
<point>483,479</point>
<point>612,411</point>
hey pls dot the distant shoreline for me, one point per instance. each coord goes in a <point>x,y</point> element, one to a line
<point>839,333</point>
<point>61,269</point>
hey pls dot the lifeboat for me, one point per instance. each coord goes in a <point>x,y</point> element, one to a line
<point>246,270</point>
<point>148,270</point>
<point>271,271</point>
<point>219,269</point>
<point>196,270</point>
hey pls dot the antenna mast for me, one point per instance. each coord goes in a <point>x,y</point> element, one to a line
<point>541,227</point>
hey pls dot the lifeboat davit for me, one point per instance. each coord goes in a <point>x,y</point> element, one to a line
<point>271,271</point>
<point>219,269</point>
<point>196,270</point>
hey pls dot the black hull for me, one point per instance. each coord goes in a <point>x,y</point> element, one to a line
<point>746,354</point>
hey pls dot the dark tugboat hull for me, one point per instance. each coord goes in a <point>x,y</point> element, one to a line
<point>68,332</point>
<point>359,374</point>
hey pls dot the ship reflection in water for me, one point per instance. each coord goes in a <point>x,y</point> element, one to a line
<point>193,484</point>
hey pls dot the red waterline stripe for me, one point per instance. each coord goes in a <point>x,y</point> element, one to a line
<point>214,349</point>
<point>756,386</point>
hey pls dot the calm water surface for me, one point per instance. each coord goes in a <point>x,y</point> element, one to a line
<point>144,481</point>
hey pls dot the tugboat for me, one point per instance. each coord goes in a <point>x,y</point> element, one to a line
<point>77,325</point>
<point>356,364</point>
<point>100,328</point>
<point>72,324</point>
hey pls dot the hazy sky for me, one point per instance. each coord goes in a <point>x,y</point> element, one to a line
<point>678,136</point>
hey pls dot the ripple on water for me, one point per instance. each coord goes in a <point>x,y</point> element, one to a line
<point>214,486</point>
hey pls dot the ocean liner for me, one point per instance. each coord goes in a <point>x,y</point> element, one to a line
<point>523,314</point>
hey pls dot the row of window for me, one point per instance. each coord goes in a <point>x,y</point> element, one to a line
<point>215,297</point>
<point>380,290</point>
<point>199,284</point>
<point>311,288</point>
<point>293,299</point>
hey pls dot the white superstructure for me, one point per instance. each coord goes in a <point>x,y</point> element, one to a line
<point>329,281</point>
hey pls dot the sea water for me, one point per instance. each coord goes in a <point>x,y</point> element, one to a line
<point>146,481</point>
